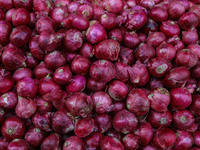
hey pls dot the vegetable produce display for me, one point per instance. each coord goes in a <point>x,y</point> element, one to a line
<point>99,75</point>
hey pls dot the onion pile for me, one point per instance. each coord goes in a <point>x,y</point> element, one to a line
<point>100,74</point>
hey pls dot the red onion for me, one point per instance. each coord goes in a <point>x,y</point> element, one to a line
<point>160,99</point>
<point>197,138</point>
<point>166,51</point>
<point>93,140</point>
<point>125,121</point>
<point>154,83</point>
<point>131,141</point>
<point>184,140</point>
<point>72,7</point>
<point>189,37</point>
<point>42,121</point>
<point>145,52</point>
<point>158,67</point>
<point>132,22</point>
<point>96,33</point>
<point>102,70</point>
<point>58,14</point>
<point>195,105</point>
<point>109,142</point>
<point>45,24</point>
<point>144,129</point>
<point>8,100</point>
<point>18,144</point>
<point>188,21</point>
<point>194,48</point>
<point>79,104</point>
<point>54,59</point>
<point>80,65</point>
<point>42,105</point>
<point>180,98</point>
<point>76,84</point>
<point>148,147</point>
<point>183,119</point>
<point>191,85</point>
<point>104,122</point>
<point>107,49</point>
<point>3,143</point>
<point>23,4</point>
<point>102,102</point>
<point>159,119</point>
<point>86,9</point>
<point>26,87</point>
<point>42,8</point>
<point>25,108</point>
<point>62,122</point>
<point>116,34</point>
<point>117,90</point>
<point>42,71</point>
<point>186,58</point>
<point>95,85</point>
<point>52,142</point>
<point>150,26</point>
<point>176,42</point>
<point>138,74</point>
<point>5,30</point>
<point>86,50</point>
<point>20,36</point>
<point>158,14</point>
<point>155,38</point>
<point>108,20</point>
<point>137,102</point>
<point>114,6</point>
<point>176,77</point>
<point>73,142</point>
<point>84,127</point>
<point>164,138</point>
<point>9,14</point>
<point>131,40</point>
<point>80,23</point>
<point>126,55</point>
<point>73,40</point>
<point>176,9</point>
<point>34,136</point>
<point>20,17</point>
<point>13,58</point>
<point>12,128</point>
<point>122,71</point>
<point>6,4</point>
<point>170,28</point>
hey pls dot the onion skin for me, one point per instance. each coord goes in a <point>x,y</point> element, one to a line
<point>104,122</point>
<point>180,98</point>
<point>160,99</point>
<point>197,138</point>
<point>126,56</point>
<point>195,105</point>
<point>8,100</point>
<point>122,71</point>
<point>137,102</point>
<point>125,122</point>
<point>20,17</point>
<point>93,140</point>
<point>164,138</point>
<point>176,77</point>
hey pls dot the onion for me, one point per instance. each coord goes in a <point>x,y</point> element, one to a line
<point>76,84</point>
<point>194,107</point>
<point>80,22</point>
<point>183,119</point>
<point>93,140</point>
<point>159,119</point>
<point>86,9</point>
<point>52,141</point>
<point>95,85</point>
<point>20,17</point>
<point>176,9</point>
<point>8,100</point>
<point>109,142</point>
<point>137,102</point>
<point>131,141</point>
<point>180,98</point>
<point>18,144</point>
<point>102,70</point>
<point>5,30</point>
<point>104,122</point>
<point>126,55</point>
<point>164,138</point>
<point>102,102</point>
<point>158,14</point>
<point>170,28</point>
<point>73,142</point>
